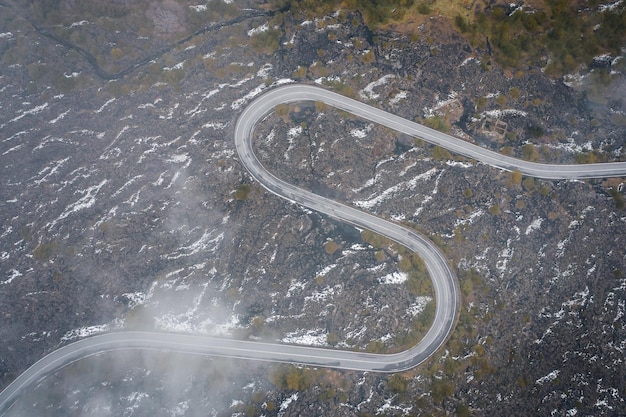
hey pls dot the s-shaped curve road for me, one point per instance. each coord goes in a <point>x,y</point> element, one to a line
<point>444,281</point>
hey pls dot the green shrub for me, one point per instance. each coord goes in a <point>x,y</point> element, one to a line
<point>266,42</point>
<point>242,192</point>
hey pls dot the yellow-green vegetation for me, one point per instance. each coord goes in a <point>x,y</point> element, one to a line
<point>375,13</point>
<point>173,76</point>
<point>441,389</point>
<point>45,250</point>
<point>368,57</point>
<point>515,179</point>
<point>376,346</point>
<point>320,106</point>
<point>590,157</point>
<point>463,340</point>
<point>282,111</point>
<point>318,69</point>
<point>330,247</point>
<point>294,378</point>
<point>332,339</point>
<point>300,72</point>
<point>64,83</point>
<point>397,383</point>
<point>329,384</point>
<point>418,282</point>
<point>374,239</point>
<point>441,154</point>
<point>618,198</point>
<point>437,123</point>
<point>529,183</point>
<point>494,209</point>
<point>342,88</point>
<point>266,42</point>
<point>501,100</point>
<point>568,32</point>
<point>419,327</point>
<point>118,88</point>
<point>242,192</point>
<point>529,152</point>
<point>507,150</point>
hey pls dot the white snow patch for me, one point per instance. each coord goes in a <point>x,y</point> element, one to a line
<point>459,164</point>
<point>259,29</point>
<point>199,8</point>
<point>391,191</point>
<point>87,200</point>
<point>86,331</point>
<point>291,135</point>
<point>294,131</point>
<point>214,125</point>
<point>178,159</point>
<point>368,91</point>
<point>207,243</point>
<point>361,133</point>
<point>13,273</point>
<point>81,23</point>
<point>610,7</point>
<point>326,270</point>
<point>282,81</point>
<point>295,286</point>
<point>571,146</point>
<point>397,277</point>
<point>319,296</point>
<point>468,60</point>
<point>34,110</point>
<point>135,298</point>
<point>255,92</point>
<point>470,218</point>
<point>178,66</point>
<point>535,225</point>
<point>548,378</point>
<point>265,70</point>
<point>418,306</point>
<point>398,97</point>
<point>498,114</point>
<point>308,337</point>
<point>105,104</point>
<point>59,117</point>
<point>285,404</point>
<point>387,408</point>
<point>49,171</point>
<point>573,80</point>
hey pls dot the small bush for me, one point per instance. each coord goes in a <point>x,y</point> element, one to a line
<point>242,192</point>
<point>529,152</point>
<point>331,247</point>
<point>494,209</point>
<point>266,42</point>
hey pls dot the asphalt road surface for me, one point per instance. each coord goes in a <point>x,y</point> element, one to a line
<point>444,282</point>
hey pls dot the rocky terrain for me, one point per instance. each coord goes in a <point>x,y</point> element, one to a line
<point>124,206</point>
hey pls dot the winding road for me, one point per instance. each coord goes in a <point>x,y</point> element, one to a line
<point>444,281</point>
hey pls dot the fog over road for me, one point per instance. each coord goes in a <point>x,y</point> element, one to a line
<point>444,281</point>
